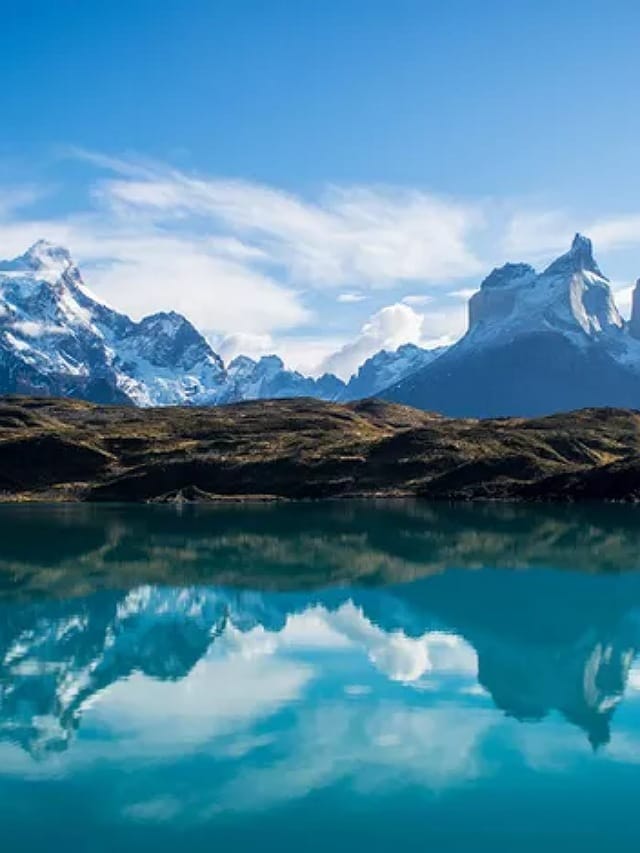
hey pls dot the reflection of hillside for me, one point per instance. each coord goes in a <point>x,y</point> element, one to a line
<point>544,641</point>
<point>68,550</point>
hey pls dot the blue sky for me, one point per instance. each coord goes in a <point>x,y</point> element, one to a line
<point>318,177</point>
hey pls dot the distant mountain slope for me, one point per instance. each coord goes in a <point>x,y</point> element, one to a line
<point>536,344</point>
<point>386,368</point>
<point>269,378</point>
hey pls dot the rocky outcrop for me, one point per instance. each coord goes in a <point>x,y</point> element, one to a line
<point>536,344</point>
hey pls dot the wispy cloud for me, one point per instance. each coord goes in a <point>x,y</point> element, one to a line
<point>348,298</point>
<point>535,234</point>
<point>355,235</point>
<point>254,264</point>
<point>243,258</point>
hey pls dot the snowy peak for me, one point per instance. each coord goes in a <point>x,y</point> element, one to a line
<point>44,257</point>
<point>571,297</point>
<point>168,339</point>
<point>269,378</point>
<point>56,338</point>
<point>385,368</point>
<point>496,299</point>
<point>578,259</point>
<point>269,365</point>
<point>509,275</point>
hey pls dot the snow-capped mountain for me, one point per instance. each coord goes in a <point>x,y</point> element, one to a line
<point>537,343</point>
<point>571,296</point>
<point>269,378</point>
<point>57,339</point>
<point>385,368</point>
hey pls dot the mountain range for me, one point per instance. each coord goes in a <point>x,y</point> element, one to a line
<point>536,343</point>
<point>57,339</point>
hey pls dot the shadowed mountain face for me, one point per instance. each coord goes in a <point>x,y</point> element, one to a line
<point>536,344</point>
<point>53,450</point>
<point>156,592</point>
<point>535,374</point>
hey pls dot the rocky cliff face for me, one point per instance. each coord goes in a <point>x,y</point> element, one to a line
<point>498,295</point>
<point>570,296</point>
<point>536,344</point>
<point>634,322</point>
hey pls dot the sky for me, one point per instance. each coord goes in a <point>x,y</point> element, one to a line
<point>319,179</point>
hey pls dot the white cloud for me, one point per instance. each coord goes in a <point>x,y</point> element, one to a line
<point>305,353</point>
<point>351,297</point>
<point>616,232</point>
<point>417,299</point>
<point>465,293</point>
<point>388,329</point>
<point>14,199</point>
<point>392,326</point>
<point>242,343</point>
<point>364,235</point>
<point>242,260</point>
<point>536,234</point>
<point>239,258</point>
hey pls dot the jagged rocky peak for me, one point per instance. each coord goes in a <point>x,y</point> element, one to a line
<point>634,322</point>
<point>241,366</point>
<point>270,364</point>
<point>579,258</point>
<point>497,295</point>
<point>169,339</point>
<point>571,296</point>
<point>508,275</point>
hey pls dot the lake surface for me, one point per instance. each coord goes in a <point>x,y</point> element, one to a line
<point>343,676</point>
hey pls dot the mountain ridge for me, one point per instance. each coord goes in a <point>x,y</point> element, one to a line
<point>537,342</point>
<point>57,338</point>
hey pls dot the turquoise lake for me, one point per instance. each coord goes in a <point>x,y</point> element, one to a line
<point>341,676</point>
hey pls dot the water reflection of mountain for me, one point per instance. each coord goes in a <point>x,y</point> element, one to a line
<point>70,550</point>
<point>544,641</point>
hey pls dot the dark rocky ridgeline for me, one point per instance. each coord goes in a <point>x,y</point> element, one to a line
<point>304,449</point>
